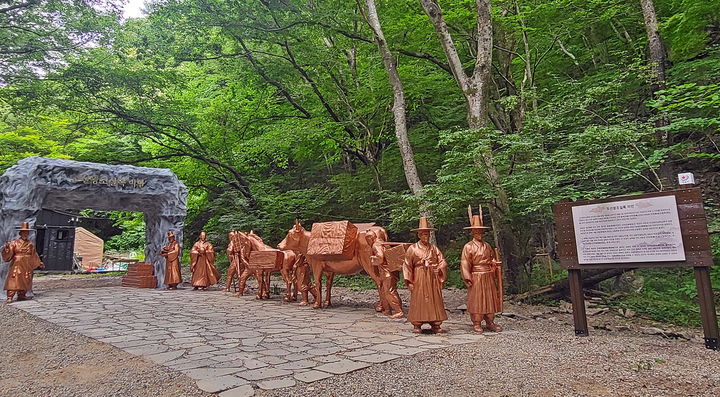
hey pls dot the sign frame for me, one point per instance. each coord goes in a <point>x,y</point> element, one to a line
<point>696,244</point>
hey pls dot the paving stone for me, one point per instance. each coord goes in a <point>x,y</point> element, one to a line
<point>221,383</point>
<point>272,360</point>
<point>312,376</point>
<point>268,342</point>
<point>254,364</point>
<point>147,350</point>
<point>342,366</point>
<point>359,352</point>
<point>376,358</point>
<point>165,357</point>
<point>263,373</point>
<point>300,364</point>
<point>242,391</point>
<point>327,359</point>
<point>185,364</point>
<point>408,342</point>
<point>252,341</point>
<point>208,373</point>
<point>280,383</point>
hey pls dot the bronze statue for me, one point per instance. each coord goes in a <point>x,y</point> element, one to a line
<point>265,260</point>
<point>480,266</point>
<point>236,257</point>
<point>23,260</point>
<point>339,247</point>
<point>389,296</point>
<point>171,252</point>
<point>202,264</point>
<point>301,269</point>
<point>425,272</point>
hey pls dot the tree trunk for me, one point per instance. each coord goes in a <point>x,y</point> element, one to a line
<point>474,90</point>
<point>655,45</point>
<point>561,288</point>
<point>658,62</point>
<point>409,166</point>
<point>398,109</point>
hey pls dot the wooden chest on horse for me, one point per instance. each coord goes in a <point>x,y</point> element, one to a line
<point>265,260</point>
<point>332,241</point>
<point>395,257</point>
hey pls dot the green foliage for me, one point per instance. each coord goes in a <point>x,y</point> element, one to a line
<point>668,295</point>
<point>132,237</point>
<point>276,111</point>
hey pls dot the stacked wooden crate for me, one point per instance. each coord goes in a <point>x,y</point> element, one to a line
<point>140,275</point>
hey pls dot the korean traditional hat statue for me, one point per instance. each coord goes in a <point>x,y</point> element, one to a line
<point>23,260</point>
<point>202,265</point>
<point>171,252</point>
<point>425,272</point>
<point>481,271</point>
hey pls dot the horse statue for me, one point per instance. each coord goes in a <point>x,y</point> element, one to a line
<point>284,266</point>
<point>298,239</point>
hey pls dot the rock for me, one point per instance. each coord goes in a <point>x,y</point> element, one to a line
<point>629,313</point>
<point>461,308</point>
<point>652,331</point>
<point>537,314</point>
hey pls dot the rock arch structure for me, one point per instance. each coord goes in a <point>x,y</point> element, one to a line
<point>38,182</point>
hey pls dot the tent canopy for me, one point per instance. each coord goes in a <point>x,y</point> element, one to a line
<point>89,247</point>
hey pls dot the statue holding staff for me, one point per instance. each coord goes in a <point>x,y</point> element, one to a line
<point>23,260</point>
<point>425,272</point>
<point>171,252</point>
<point>481,270</point>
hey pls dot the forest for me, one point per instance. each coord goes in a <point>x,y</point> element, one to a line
<point>379,111</point>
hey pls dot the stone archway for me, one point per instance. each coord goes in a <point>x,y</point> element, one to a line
<point>38,182</point>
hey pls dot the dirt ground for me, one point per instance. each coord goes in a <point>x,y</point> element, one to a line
<point>538,355</point>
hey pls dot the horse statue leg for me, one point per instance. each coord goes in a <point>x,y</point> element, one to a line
<point>329,276</point>
<point>317,270</point>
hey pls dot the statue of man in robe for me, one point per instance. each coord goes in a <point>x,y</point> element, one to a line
<point>425,272</point>
<point>202,265</point>
<point>171,252</point>
<point>23,260</point>
<point>480,268</point>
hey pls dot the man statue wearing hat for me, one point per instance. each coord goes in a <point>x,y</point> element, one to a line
<point>171,252</point>
<point>202,265</point>
<point>425,272</point>
<point>480,268</point>
<point>23,260</point>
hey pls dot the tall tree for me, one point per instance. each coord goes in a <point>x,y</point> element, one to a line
<point>655,45</point>
<point>474,90</point>
<point>406,151</point>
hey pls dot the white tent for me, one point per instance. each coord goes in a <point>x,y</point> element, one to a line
<point>89,247</point>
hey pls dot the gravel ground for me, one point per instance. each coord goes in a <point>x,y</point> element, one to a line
<point>42,359</point>
<point>539,356</point>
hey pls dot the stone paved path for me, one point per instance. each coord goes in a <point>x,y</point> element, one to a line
<point>234,345</point>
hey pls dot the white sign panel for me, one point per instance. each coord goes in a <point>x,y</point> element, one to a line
<point>642,230</point>
<point>686,178</point>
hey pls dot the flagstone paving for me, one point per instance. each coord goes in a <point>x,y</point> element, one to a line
<point>235,345</point>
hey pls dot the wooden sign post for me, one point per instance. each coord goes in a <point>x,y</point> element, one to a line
<point>664,229</point>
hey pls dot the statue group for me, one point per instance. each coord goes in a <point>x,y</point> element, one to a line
<point>329,248</point>
<point>303,257</point>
